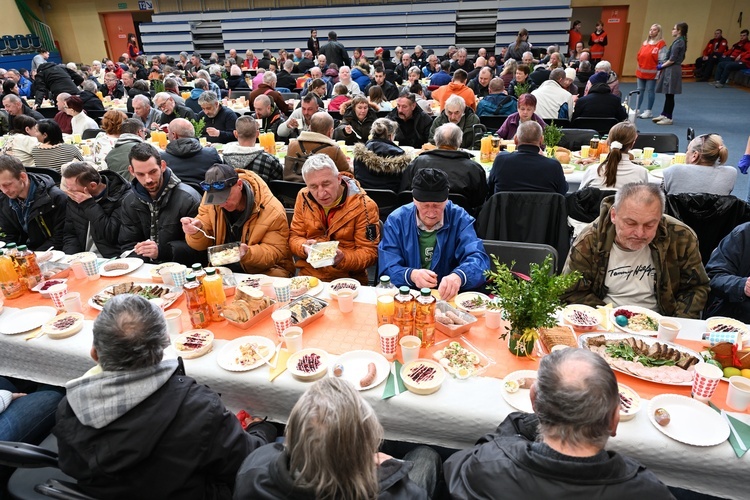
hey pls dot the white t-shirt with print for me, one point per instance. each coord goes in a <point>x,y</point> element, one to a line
<point>631,278</point>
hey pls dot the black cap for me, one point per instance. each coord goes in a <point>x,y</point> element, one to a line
<point>430,184</point>
<point>217,173</point>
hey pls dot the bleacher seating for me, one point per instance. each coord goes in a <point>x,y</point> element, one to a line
<point>19,44</point>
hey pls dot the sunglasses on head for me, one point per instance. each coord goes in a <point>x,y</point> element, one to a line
<point>219,185</point>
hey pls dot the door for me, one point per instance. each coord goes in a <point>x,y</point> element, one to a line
<point>117,26</point>
<point>616,26</point>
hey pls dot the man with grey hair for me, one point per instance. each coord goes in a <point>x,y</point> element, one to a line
<point>219,119</point>
<point>24,84</point>
<point>91,101</point>
<point>213,87</point>
<point>635,254</point>
<point>481,84</point>
<point>456,111</point>
<point>462,62</point>
<point>527,58</point>
<point>333,207</point>
<point>284,78</point>
<point>139,418</point>
<point>527,170</point>
<point>142,109</point>
<point>316,74</point>
<point>606,68</point>
<point>200,85</point>
<point>431,66</point>
<point>185,155</point>
<point>317,140</point>
<point>306,63</point>
<point>552,100</point>
<point>559,450</point>
<point>164,102</point>
<point>246,155</point>
<point>14,106</point>
<point>466,177</point>
<point>268,89</point>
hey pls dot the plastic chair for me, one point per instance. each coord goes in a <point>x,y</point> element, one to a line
<point>574,138</point>
<point>10,43</point>
<point>23,42</point>
<point>54,174</point>
<point>601,125</point>
<point>493,122</point>
<point>90,133</point>
<point>286,191</point>
<point>236,94</point>
<point>3,47</point>
<point>478,129</point>
<point>289,95</point>
<point>34,40</point>
<point>523,254</point>
<point>661,142</point>
<point>387,201</point>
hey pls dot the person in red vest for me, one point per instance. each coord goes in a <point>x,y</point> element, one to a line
<point>574,37</point>
<point>597,42</point>
<point>714,51</point>
<point>652,52</point>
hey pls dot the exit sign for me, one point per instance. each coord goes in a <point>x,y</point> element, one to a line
<point>122,5</point>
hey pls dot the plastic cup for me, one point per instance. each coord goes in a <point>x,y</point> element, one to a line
<point>706,378</point>
<point>510,147</point>
<point>173,318</point>
<point>585,150</point>
<point>266,286</point>
<point>668,330</point>
<point>292,337</point>
<point>738,394</point>
<point>680,158</point>
<point>72,302</point>
<point>166,275</point>
<point>203,141</point>
<point>78,271</point>
<point>346,301</point>
<point>282,287</point>
<point>637,153</point>
<point>492,318</point>
<point>56,293</point>
<point>388,339</point>
<point>410,345</point>
<point>385,309</point>
<point>603,157</point>
<point>178,275</point>
<point>282,319</point>
<point>90,267</point>
<point>648,153</point>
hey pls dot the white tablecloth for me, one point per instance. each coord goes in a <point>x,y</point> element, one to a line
<point>456,416</point>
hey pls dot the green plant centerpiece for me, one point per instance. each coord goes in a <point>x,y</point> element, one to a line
<point>522,88</point>
<point>527,305</point>
<point>552,136</point>
<point>157,86</point>
<point>198,125</point>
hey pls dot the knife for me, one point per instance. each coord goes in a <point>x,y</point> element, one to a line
<point>734,431</point>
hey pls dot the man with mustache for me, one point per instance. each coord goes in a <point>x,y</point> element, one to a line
<point>635,254</point>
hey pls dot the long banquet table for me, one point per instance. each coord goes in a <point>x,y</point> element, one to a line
<point>456,416</point>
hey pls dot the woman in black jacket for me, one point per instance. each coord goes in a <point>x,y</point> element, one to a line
<point>380,163</point>
<point>357,117</point>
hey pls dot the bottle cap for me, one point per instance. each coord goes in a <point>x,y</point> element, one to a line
<point>404,290</point>
<point>22,248</point>
<point>196,267</point>
<point>190,277</point>
<point>425,292</point>
<point>385,279</point>
<point>210,272</point>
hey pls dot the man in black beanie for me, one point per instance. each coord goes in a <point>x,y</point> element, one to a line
<point>431,243</point>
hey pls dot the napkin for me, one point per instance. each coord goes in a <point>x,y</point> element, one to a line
<point>742,429</point>
<point>395,385</point>
<point>281,358</point>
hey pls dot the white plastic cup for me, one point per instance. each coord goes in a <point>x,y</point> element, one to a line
<point>173,318</point>
<point>282,287</point>
<point>680,158</point>
<point>668,330</point>
<point>292,337</point>
<point>648,153</point>
<point>266,286</point>
<point>388,339</point>
<point>492,318</point>
<point>706,378</point>
<point>282,319</point>
<point>72,302</point>
<point>738,394</point>
<point>78,270</point>
<point>178,275</point>
<point>166,275</point>
<point>56,293</point>
<point>410,345</point>
<point>510,147</point>
<point>637,153</point>
<point>345,300</point>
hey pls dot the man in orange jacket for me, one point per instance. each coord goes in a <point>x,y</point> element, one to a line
<point>457,86</point>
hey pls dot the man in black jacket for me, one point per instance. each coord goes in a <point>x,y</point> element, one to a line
<point>390,91</point>
<point>164,102</point>
<point>558,451</point>
<point>92,220</point>
<point>141,420</point>
<point>600,102</point>
<point>220,120</point>
<point>285,79</point>
<point>32,208</point>
<point>334,51</point>
<point>51,79</point>
<point>413,123</point>
<point>184,154</point>
<point>151,211</point>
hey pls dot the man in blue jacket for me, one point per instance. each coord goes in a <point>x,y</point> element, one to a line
<point>431,243</point>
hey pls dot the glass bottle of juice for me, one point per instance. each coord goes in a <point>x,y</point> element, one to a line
<point>485,148</point>
<point>215,296</point>
<point>385,287</point>
<point>26,259</point>
<point>9,282</point>
<point>594,147</point>
<point>199,272</point>
<point>424,319</point>
<point>12,251</point>
<point>403,316</point>
<point>200,315</point>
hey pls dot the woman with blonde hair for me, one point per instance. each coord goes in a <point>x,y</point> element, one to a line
<point>704,172</point>
<point>617,170</point>
<point>652,52</point>
<point>331,452</point>
<point>509,71</point>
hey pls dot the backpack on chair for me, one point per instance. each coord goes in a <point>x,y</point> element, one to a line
<point>293,164</point>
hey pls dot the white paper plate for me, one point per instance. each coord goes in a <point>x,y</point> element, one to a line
<point>56,255</point>
<point>691,422</point>
<point>163,303</point>
<point>520,400</point>
<point>27,319</point>
<point>311,291</point>
<point>658,173</point>
<point>739,325</point>
<point>355,365</point>
<point>228,354</point>
<point>638,310</point>
<point>291,364</point>
<point>133,263</point>
<point>335,294</point>
<point>466,296</point>
<point>76,256</point>
<point>45,293</point>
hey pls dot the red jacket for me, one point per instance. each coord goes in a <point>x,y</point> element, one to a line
<point>597,42</point>
<point>738,48</point>
<point>719,45</point>
<point>648,58</point>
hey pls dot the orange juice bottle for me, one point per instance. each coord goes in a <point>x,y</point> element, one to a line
<point>424,319</point>
<point>485,149</point>
<point>9,282</point>
<point>200,315</point>
<point>403,315</point>
<point>26,259</point>
<point>215,296</point>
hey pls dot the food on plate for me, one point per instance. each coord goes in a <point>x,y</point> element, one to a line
<point>155,276</point>
<point>243,309</point>
<point>146,291</point>
<point>225,256</point>
<point>63,325</point>
<point>630,402</point>
<point>252,281</point>
<point>421,373</point>
<point>115,266</point>
<point>300,285</point>
<point>372,372</point>
<point>344,285</point>
<point>513,386</point>
<point>473,304</point>
<point>555,336</point>
<point>304,308</point>
<point>662,417</point>
<point>581,318</point>
<point>636,322</point>
<point>562,155</point>
<point>251,353</point>
<point>653,361</point>
<point>455,358</point>
<point>338,370</point>
<point>194,344</point>
<point>449,318</point>
<point>309,363</point>
<point>50,283</point>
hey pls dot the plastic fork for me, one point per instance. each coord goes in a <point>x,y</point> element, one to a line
<point>205,234</point>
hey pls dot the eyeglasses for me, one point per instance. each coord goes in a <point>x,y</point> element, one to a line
<point>161,106</point>
<point>219,185</point>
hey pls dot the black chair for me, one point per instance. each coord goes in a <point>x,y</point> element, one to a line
<point>478,130</point>
<point>236,94</point>
<point>574,138</point>
<point>387,201</point>
<point>336,115</point>
<point>526,217</point>
<point>10,43</point>
<point>492,122</point>
<point>601,125</point>
<point>560,122</point>
<point>3,46</point>
<point>661,142</point>
<point>523,254</point>
<point>48,112</point>
<point>96,113</point>
<point>54,174</point>
<point>286,191</point>
<point>405,197</point>
<point>289,95</point>
<point>90,133</point>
